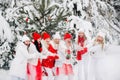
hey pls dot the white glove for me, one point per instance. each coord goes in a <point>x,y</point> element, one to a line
<point>41,56</point>
<point>79,48</point>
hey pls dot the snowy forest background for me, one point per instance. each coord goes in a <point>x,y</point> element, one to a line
<point>20,16</point>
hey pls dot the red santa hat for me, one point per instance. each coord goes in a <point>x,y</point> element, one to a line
<point>56,36</point>
<point>36,36</point>
<point>67,36</point>
<point>25,38</point>
<point>45,35</point>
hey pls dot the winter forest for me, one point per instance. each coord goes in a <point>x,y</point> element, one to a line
<point>19,17</point>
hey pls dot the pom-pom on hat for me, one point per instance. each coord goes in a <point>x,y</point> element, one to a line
<point>25,38</point>
<point>36,36</point>
<point>67,36</point>
<point>45,35</point>
<point>56,36</point>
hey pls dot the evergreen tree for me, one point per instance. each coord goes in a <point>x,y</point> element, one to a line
<point>6,44</point>
<point>42,15</point>
<point>100,13</point>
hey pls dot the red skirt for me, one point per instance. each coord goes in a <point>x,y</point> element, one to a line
<point>66,69</point>
<point>34,72</point>
<point>39,71</point>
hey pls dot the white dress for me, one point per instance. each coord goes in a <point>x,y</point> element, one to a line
<point>64,65</point>
<point>19,64</point>
<point>104,64</point>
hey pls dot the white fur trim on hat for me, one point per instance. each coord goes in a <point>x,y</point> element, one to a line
<point>101,34</point>
<point>81,30</point>
<point>25,38</point>
<point>56,36</point>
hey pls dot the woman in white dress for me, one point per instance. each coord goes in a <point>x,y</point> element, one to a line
<point>18,69</point>
<point>104,60</point>
<point>65,69</point>
<point>81,50</point>
<point>96,58</point>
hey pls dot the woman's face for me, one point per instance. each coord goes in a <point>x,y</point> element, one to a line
<point>81,34</point>
<point>57,41</point>
<point>99,39</point>
<point>47,40</point>
<point>68,40</point>
<point>38,40</point>
<point>27,42</point>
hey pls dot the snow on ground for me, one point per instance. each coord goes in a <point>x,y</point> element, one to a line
<point>4,75</point>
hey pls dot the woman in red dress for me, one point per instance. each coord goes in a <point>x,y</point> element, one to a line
<point>64,69</point>
<point>81,42</point>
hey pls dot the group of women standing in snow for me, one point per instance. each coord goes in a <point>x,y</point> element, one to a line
<point>54,59</point>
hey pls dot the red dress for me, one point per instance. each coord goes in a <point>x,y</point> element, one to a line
<point>39,68</point>
<point>81,52</point>
<point>49,62</point>
<point>66,67</point>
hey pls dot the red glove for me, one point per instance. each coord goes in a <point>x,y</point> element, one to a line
<point>56,57</point>
<point>51,57</point>
<point>79,57</point>
<point>85,49</point>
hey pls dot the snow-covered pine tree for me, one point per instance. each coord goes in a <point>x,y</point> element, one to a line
<point>100,13</point>
<point>39,15</point>
<point>6,43</point>
<point>116,4</point>
<point>7,39</point>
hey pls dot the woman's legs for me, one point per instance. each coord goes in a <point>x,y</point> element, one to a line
<point>32,72</point>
